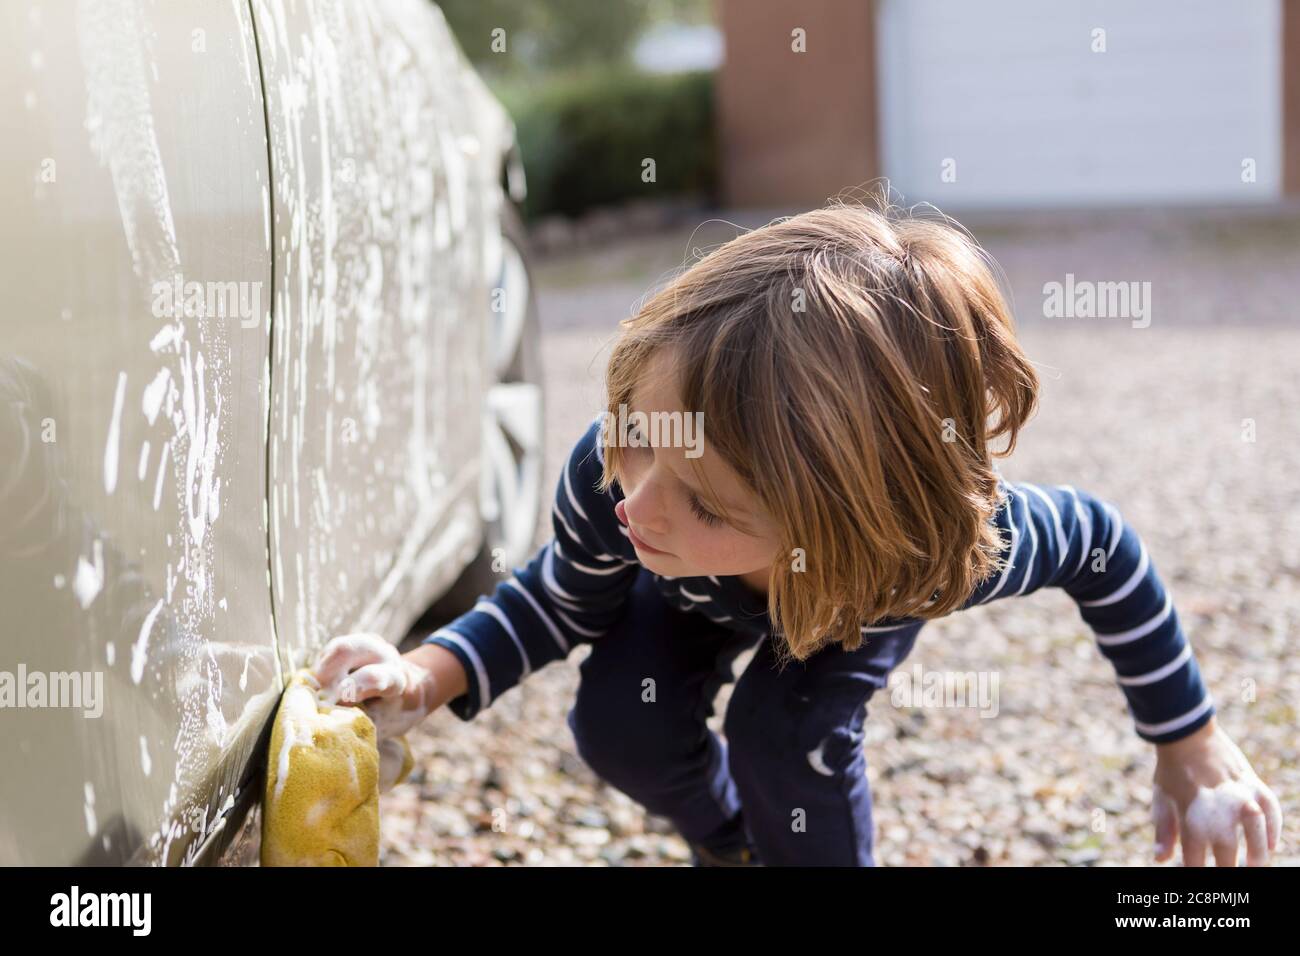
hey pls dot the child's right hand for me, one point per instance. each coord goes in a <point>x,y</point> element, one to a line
<point>1204,792</point>
<point>395,692</point>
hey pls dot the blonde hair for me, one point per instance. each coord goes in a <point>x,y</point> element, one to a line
<point>852,365</point>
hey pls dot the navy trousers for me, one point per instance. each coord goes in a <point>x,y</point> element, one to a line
<point>789,771</point>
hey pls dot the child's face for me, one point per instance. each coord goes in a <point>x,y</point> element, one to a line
<point>666,509</point>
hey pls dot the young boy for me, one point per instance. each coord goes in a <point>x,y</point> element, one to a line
<point>851,370</point>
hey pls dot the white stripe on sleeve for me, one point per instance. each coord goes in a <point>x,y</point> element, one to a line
<point>1160,673</point>
<point>480,673</point>
<point>537,609</point>
<point>1125,589</point>
<point>1170,725</point>
<point>487,607</point>
<point>1062,543</point>
<point>1142,630</point>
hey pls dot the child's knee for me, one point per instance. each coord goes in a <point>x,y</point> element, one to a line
<point>619,735</point>
<point>774,726</point>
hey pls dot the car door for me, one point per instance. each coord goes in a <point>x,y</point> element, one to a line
<point>379,352</point>
<point>135,257</point>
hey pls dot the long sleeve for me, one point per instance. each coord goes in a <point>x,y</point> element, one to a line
<point>1063,537</point>
<point>570,592</point>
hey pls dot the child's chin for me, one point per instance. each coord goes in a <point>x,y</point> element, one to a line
<point>668,564</point>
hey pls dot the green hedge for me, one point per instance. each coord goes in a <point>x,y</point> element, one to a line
<point>583,138</point>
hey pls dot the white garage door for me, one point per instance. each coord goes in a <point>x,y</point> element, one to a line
<point>1005,102</point>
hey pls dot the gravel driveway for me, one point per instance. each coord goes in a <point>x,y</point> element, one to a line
<point>1149,418</point>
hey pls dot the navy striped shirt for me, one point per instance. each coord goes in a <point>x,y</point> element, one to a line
<point>573,590</point>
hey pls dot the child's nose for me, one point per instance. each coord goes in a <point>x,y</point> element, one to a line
<point>641,509</point>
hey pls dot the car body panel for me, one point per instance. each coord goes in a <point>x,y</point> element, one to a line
<point>192,504</point>
<point>133,543</point>
<point>380,214</point>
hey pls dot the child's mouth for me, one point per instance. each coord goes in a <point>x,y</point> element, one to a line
<point>639,544</point>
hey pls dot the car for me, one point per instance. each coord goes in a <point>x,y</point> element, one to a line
<point>269,373</point>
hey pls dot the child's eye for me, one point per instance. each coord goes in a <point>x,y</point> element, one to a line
<point>708,517</point>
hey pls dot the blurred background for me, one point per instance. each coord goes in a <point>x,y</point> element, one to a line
<point>1154,143</point>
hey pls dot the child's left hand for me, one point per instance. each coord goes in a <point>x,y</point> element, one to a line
<point>1204,788</point>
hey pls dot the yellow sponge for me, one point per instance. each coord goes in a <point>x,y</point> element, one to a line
<point>324,776</point>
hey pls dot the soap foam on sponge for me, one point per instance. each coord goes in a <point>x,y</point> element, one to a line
<point>324,777</point>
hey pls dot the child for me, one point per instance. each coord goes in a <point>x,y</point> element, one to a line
<point>852,370</point>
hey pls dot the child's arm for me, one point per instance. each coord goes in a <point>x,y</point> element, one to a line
<point>1204,786</point>
<point>1066,538</point>
<point>570,592</point>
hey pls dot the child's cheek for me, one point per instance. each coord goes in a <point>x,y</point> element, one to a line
<point>716,551</point>
<point>685,542</point>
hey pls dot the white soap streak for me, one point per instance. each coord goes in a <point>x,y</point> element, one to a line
<point>119,118</point>
<point>158,482</point>
<point>352,773</point>
<point>89,579</point>
<point>168,336</point>
<point>114,436</point>
<point>142,466</point>
<point>216,720</point>
<point>89,806</point>
<point>322,498</point>
<point>300,709</point>
<point>200,460</point>
<point>146,764</point>
<point>140,650</point>
<point>155,391</point>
